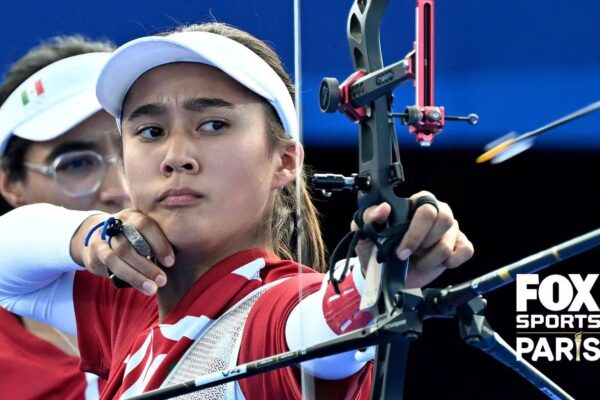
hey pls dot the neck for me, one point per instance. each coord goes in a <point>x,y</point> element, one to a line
<point>191,265</point>
<point>180,277</point>
<point>194,261</point>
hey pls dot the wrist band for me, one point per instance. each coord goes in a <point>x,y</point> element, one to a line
<point>110,228</point>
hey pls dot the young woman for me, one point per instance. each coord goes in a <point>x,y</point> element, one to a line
<point>54,148</point>
<point>211,158</point>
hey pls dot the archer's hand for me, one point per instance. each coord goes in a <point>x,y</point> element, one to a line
<point>432,243</point>
<point>121,257</point>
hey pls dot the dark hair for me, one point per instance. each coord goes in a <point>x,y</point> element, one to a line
<point>48,52</point>
<point>295,218</point>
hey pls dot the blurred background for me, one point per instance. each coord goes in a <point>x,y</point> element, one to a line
<point>517,64</point>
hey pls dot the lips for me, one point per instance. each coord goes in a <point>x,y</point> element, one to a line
<point>179,197</point>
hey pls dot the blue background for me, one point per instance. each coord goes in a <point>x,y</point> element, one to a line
<point>518,64</point>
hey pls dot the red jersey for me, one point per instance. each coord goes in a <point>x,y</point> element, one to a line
<point>122,340</point>
<point>32,368</point>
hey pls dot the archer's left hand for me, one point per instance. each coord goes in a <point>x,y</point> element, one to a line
<point>432,243</point>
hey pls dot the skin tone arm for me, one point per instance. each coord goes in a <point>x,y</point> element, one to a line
<point>433,241</point>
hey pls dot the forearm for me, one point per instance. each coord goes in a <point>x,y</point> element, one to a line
<point>325,315</point>
<point>35,245</point>
<point>52,304</point>
<point>36,267</point>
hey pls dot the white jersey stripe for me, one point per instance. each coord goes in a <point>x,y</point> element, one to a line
<point>138,386</point>
<point>92,392</point>
<point>189,326</point>
<point>251,270</point>
<point>138,356</point>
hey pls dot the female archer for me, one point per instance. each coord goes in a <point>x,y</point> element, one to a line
<point>211,159</point>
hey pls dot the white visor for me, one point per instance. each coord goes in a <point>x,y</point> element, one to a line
<point>53,100</point>
<point>133,59</point>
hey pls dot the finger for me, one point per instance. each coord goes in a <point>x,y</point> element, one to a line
<point>91,258</point>
<point>426,269</point>
<point>436,255</point>
<point>78,251</point>
<point>422,222</point>
<point>444,221</point>
<point>432,262</point>
<point>463,251</point>
<point>127,253</point>
<point>149,229</point>
<point>94,265</point>
<point>377,214</point>
<point>416,278</point>
<point>126,272</point>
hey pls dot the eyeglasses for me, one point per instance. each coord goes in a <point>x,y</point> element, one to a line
<point>77,173</point>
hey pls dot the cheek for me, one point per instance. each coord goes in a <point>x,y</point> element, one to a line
<point>249,159</point>
<point>138,175</point>
<point>46,191</point>
<point>82,203</point>
<point>39,189</point>
<point>137,183</point>
<point>251,178</point>
<point>245,172</point>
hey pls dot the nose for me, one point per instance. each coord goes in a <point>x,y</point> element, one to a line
<point>178,158</point>
<point>113,194</point>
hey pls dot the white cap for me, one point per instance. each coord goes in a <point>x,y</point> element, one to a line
<point>133,59</point>
<point>53,100</point>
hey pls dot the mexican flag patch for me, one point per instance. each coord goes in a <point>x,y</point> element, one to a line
<point>27,95</point>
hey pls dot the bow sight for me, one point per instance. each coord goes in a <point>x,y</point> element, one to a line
<point>369,82</point>
<point>366,97</point>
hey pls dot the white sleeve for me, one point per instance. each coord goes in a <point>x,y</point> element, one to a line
<point>36,268</point>
<point>307,326</point>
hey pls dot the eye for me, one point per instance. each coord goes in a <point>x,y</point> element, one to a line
<point>78,164</point>
<point>213,126</point>
<point>150,132</point>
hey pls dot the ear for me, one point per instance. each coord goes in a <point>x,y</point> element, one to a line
<point>12,191</point>
<point>290,160</point>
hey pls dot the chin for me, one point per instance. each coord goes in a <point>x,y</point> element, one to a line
<point>178,226</point>
<point>183,234</point>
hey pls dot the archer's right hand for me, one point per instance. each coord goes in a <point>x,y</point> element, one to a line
<point>121,257</point>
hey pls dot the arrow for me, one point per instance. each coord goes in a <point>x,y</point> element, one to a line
<point>510,145</point>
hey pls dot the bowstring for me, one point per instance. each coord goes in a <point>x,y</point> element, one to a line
<point>307,381</point>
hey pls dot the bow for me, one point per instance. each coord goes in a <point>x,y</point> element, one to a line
<point>366,98</point>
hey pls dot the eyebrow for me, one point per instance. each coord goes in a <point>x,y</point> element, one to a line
<point>203,103</point>
<point>68,147</point>
<point>198,104</point>
<point>147,110</point>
